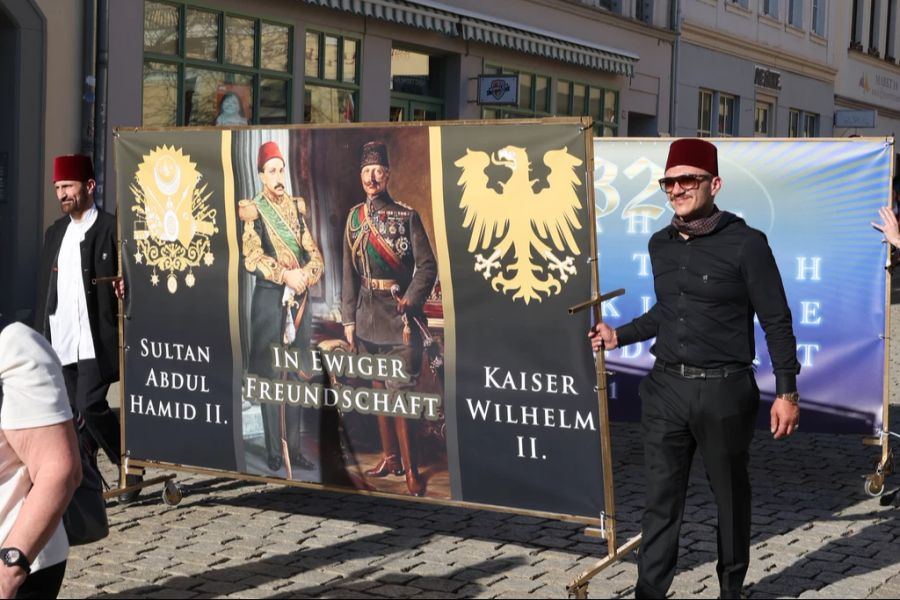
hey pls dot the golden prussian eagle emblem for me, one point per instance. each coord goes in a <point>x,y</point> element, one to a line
<point>534,227</point>
<point>173,219</point>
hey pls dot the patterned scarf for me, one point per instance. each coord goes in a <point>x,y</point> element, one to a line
<point>698,227</point>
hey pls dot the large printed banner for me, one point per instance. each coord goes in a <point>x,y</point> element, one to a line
<point>379,309</point>
<point>814,200</point>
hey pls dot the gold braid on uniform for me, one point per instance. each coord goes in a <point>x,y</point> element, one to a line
<point>254,257</point>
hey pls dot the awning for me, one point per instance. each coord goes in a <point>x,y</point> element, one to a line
<point>548,47</point>
<point>436,16</point>
<point>398,11</point>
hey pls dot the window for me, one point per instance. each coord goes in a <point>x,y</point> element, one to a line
<point>795,13</point>
<point>704,117</point>
<point>610,5</point>
<point>331,78</point>
<point>578,99</point>
<point>762,119</point>
<point>890,51</point>
<point>810,125</point>
<point>416,86</point>
<point>643,11</point>
<point>856,25</point>
<point>534,95</point>
<point>717,114</point>
<point>794,123</point>
<point>741,3</point>
<point>726,115</point>
<point>770,8</point>
<point>208,67</point>
<point>819,10</point>
<point>873,28</point>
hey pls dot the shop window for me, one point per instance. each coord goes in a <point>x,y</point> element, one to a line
<point>417,90</point>
<point>207,67</point>
<point>331,85</point>
<point>578,99</point>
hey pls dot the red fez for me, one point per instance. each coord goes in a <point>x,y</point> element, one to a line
<point>693,152</point>
<point>374,153</point>
<point>267,152</point>
<point>72,167</point>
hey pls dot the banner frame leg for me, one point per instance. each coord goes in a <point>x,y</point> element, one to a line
<point>579,586</point>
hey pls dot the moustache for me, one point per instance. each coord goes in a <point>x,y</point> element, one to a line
<point>279,186</point>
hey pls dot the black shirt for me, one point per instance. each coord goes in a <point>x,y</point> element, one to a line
<point>707,291</point>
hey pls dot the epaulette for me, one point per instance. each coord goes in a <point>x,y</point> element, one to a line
<point>247,210</point>
<point>406,206</point>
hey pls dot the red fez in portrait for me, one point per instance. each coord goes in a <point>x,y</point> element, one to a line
<point>374,153</point>
<point>267,152</point>
<point>72,167</point>
<point>693,152</point>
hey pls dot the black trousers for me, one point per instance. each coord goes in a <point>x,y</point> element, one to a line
<point>680,415</point>
<point>45,583</point>
<point>87,395</point>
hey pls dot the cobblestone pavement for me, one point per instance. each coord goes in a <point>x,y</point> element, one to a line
<point>816,535</point>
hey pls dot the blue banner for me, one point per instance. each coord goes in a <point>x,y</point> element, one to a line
<point>814,200</point>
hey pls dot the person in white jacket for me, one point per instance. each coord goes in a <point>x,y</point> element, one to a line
<point>40,466</point>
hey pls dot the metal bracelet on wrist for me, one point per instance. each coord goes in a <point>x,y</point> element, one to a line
<point>792,397</point>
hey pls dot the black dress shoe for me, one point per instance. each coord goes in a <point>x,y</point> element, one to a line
<point>274,462</point>
<point>131,495</point>
<point>301,462</point>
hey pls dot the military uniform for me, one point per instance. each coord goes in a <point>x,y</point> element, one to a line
<point>275,240</point>
<point>385,245</point>
<point>385,248</point>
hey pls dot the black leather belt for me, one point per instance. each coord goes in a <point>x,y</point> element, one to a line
<point>689,372</point>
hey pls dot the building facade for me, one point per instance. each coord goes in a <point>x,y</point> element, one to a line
<point>755,68</point>
<point>163,63</point>
<point>867,90</point>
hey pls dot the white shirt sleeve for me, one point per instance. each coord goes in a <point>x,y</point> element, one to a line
<point>34,391</point>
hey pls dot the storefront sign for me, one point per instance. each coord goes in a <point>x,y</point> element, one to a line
<point>854,118</point>
<point>766,78</point>
<point>498,89</point>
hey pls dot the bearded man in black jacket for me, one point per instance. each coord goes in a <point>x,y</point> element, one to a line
<point>712,274</point>
<point>74,312</point>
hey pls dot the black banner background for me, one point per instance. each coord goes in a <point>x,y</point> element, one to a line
<point>496,336</point>
<point>197,317</point>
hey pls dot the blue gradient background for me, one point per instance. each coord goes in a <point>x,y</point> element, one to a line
<point>812,198</point>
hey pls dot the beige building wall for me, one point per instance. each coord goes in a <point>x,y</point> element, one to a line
<point>868,78</point>
<point>62,124</point>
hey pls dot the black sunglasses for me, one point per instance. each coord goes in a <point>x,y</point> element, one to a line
<point>686,182</point>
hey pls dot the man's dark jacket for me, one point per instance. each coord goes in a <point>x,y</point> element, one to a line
<point>98,259</point>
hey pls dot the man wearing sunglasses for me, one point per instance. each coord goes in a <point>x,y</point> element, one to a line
<point>712,274</point>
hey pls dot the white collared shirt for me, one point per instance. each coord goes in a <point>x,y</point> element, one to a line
<point>70,326</point>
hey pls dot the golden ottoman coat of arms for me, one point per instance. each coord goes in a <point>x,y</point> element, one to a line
<point>173,219</point>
